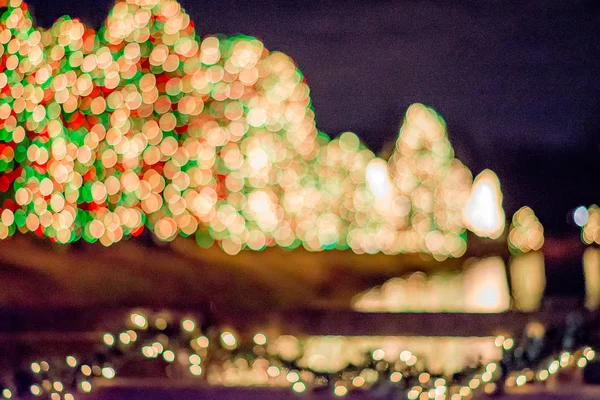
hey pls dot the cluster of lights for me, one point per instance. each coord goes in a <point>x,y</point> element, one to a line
<point>589,221</point>
<point>578,359</point>
<point>56,383</point>
<point>219,356</point>
<point>440,389</point>
<point>134,336</point>
<point>262,367</point>
<point>142,124</point>
<point>526,232</point>
<point>432,187</point>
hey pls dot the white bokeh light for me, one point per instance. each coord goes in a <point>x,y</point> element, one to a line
<point>483,214</point>
<point>378,178</point>
<point>581,216</point>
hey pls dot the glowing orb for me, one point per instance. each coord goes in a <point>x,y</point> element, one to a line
<point>378,178</point>
<point>581,216</point>
<point>483,214</point>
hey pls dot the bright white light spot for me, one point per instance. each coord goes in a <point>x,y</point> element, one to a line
<point>378,178</point>
<point>483,213</point>
<point>581,216</point>
<point>108,372</point>
<point>257,117</point>
<point>259,201</point>
<point>257,158</point>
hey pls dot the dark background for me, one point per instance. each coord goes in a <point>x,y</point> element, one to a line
<point>517,81</point>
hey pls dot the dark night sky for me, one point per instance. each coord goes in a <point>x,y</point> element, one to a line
<point>517,81</point>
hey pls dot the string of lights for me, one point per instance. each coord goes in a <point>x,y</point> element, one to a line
<point>222,357</point>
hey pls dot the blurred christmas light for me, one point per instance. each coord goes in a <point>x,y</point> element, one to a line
<point>433,187</point>
<point>590,232</point>
<point>527,273</point>
<point>378,178</point>
<point>483,213</point>
<point>362,370</point>
<point>526,232</point>
<point>481,287</point>
<point>142,124</point>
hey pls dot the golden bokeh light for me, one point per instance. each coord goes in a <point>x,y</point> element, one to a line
<point>481,288</point>
<point>526,232</point>
<point>591,268</point>
<point>528,280</point>
<point>589,220</point>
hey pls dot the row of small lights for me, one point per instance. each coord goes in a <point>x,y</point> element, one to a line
<point>565,360</point>
<point>228,340</point>
<point>440,390</point>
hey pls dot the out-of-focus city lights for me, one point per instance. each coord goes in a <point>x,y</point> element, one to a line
<point>527,272</point>
<point>484,214</point>
<point>203,342</point>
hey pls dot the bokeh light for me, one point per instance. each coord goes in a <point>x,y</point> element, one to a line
<point>484,214</point>
<point>481,288</point>
<point>590,232</point>
<point>581,216</point>
<point>143,124</point>
<point>526,232</point>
